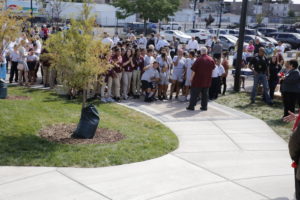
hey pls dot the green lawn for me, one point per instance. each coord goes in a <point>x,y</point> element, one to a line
<point>20,122</point>
<point>271,115</point>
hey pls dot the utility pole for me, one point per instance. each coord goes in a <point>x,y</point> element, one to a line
<point>31,8</point>
<point>220,17</point>
<point>194,17</point>
<point>240,46</point>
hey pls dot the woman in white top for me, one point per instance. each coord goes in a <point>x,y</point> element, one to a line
<point>178,73</point>
<point>23,69</point>
<point>165,62</point>
<point>188,73</point>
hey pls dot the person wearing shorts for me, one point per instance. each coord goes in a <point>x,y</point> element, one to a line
<point>178,73</point>
<point>149,77</point>
<point>165,62</point>
<point>188,73</point>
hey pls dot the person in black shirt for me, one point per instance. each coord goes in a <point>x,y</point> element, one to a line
<point>274,69</point>
<point>291,87</point>
<point>151,41</point>
<point>257,46</point>
<point>260,67</point>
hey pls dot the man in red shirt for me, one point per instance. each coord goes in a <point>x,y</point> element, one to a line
<point>201,79</point>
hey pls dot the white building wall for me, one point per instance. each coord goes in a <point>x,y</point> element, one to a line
<point>105,14</point>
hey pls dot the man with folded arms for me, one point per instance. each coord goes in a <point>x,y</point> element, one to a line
<point>201,80</point>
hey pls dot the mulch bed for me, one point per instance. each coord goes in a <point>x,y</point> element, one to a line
<point>61,133</point>
<point>17,98</point>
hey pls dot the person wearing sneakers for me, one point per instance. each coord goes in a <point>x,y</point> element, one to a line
<point>116,61</point>
<point>165,64</point>
<point>201,79</point>
<point>128,67</point>
<point>149,76</point>
<point>188,73</point>
<point>217,74</point>
<point>138,61</point>
<point>178,73</point>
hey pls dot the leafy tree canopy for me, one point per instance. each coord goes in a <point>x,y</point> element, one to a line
<point>10,28</point>
<point>79,58</point>
<point>153,10</point>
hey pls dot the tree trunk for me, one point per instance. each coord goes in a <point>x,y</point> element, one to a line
<point>84,98</point>
<point>117,26</point>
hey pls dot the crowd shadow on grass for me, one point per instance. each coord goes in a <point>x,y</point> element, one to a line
<point>24,150</point>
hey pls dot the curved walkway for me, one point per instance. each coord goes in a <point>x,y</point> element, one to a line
<point>223,155</point>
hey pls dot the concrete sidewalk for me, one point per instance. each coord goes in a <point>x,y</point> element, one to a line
<point>223,155</point>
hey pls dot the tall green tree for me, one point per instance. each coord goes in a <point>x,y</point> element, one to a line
<point>153,10</point>
<point>78,57</point>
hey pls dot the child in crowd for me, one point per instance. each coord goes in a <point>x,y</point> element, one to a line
<point>149,79</point>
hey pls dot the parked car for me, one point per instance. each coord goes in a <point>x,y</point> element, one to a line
<point>291,38</point>
<point>233,32</point>
<point>266,31</point>
<point>288,28</point>
<point>255,25</point>
<point>252,32</point>
<point>247,39</point>
<point>228,42</point>
<point>215,31</point>
<point>138,28</point>
<point>199,34</point>
<point>171,26</point>
<point>287,47</point>
<point>181,36</point>
<point>234,25</point>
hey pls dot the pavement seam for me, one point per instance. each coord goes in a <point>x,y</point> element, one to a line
<point>234,142</point>
<point>228,151</point>
<point>257,177</point>
<point>27,177</point>
<point>227,179</point>
<point>83,185</point>
<point>186,188</point>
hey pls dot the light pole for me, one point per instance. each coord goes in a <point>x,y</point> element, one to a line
<point>194,17</point>
<point>220,16</point>
<point>240,46</point>
<point>31,8</point>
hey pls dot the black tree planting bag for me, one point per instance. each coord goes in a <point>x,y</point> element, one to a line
<point>88,123</point>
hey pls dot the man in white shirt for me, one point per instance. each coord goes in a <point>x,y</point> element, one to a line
<point>193,44</point>
<point>130,34</point>
<point>142,42</point>
<point>116,38</point>
<point>215,87</point>
<point>280,48</point>
<point>161,43</point>
<point>107,40</point>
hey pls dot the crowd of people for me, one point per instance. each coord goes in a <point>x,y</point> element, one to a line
<point>158,69</point>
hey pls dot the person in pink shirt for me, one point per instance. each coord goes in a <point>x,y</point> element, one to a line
<point>250,48</point>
